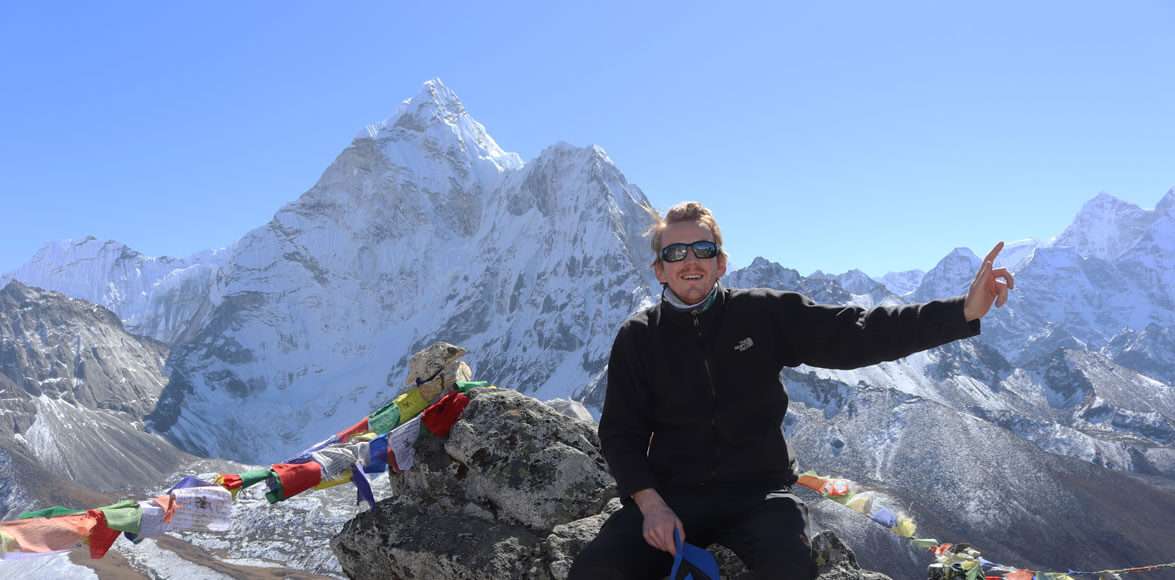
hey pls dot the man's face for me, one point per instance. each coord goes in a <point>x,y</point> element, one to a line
<point>691,279</point>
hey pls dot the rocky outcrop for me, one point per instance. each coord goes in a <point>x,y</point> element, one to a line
<point>516,491</point>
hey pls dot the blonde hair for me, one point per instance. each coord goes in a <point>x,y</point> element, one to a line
<point>686,211</point>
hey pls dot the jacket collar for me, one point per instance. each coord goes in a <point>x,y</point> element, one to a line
<point>667,314</point>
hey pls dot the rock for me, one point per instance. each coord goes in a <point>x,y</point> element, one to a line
<point>403,539</point>
<point>566,540</point>
<point>516,457</point>
<point>837,561</point>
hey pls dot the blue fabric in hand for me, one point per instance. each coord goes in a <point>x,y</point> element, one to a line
<point>692,562</point>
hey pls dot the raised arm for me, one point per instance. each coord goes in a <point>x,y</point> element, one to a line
<point>848,337</point>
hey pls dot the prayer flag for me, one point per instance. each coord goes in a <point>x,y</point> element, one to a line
<point>440,417</point>
<point>385,418</point>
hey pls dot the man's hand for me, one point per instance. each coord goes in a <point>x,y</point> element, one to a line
<point>990,284</point>
<point>660,521</point>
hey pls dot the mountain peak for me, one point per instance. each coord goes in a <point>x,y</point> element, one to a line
<point>1104,202</point>
<point>14,288</point>
<point>565,148</point>
<point>962,252</point>
<point>434,94</point>
<point>1167,204</point>
<point>436,118</point>
<point>1105,227</point>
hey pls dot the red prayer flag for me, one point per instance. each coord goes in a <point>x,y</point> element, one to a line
<point>101,536</point>
<point>346,434</point>
<point>298,477</point>
<point>440,416</point>
<point>231,481</point>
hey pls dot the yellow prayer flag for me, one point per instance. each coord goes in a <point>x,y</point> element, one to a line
<point>410,403</point>
<point>340,480</point>
<point>906,527</point>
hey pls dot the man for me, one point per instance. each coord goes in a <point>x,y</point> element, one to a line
<point>693,410</point>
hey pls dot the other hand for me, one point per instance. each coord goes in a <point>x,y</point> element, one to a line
<point>658,529</point>
<point>660,521</point>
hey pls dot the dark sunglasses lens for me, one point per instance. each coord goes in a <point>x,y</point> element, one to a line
<point>674,252</point>
<point>703,250</point>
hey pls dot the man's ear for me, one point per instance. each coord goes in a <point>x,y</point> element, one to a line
<point>659,270</point>
<point>721,265</point>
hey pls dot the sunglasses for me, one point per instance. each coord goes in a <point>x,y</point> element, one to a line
<point>703,250</point>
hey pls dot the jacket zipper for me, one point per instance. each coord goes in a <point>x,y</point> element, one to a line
<point>713,392</point>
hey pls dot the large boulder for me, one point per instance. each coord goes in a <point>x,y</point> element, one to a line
<point>516,491</point>
<point>517,459</point>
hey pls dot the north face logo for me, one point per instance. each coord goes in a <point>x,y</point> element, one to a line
<point>744,344</point>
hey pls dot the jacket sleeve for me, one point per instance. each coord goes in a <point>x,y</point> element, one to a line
<point>848,337</point>
<point>625,423</point>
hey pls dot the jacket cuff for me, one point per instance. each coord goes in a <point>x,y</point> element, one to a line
<point>634,483</point>
<point>955,324</point>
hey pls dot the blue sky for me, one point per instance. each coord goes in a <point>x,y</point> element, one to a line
<point>824,135</point>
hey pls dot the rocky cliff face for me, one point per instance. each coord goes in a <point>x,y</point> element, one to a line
<point>74,389</point>
<point>514,492</point>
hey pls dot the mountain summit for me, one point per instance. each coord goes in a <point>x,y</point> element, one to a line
<point>422,229</point>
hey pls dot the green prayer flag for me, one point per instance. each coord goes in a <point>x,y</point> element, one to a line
<point>385,419</point>
<point>924,543</point>
<point>50,512</point>
<point>124,516</point>
<point>464,386</point>
<point>251,478</point>
<point>276,493</point>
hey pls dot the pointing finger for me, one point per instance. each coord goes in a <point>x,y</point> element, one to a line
<point>993,253</point>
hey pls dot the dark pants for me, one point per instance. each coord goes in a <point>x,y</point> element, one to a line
<point>765,529</point>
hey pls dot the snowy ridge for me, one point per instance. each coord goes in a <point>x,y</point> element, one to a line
<point>156,297</point>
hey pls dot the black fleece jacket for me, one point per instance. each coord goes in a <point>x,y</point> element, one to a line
<point>694,398</point>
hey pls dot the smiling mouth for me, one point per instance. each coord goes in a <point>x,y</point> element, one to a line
<point>692,277</point>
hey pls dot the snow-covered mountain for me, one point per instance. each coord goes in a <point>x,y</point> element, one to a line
<point>904,282</point>
<point>964,479</point>
<point>155,297</point>
<point>1017,254</point>
<point>74,389</point>
<point>950,277</point>
<point>1105,227</point>
<point>864,291</point>
<point>1150,351</point>
<point>422,229</point>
